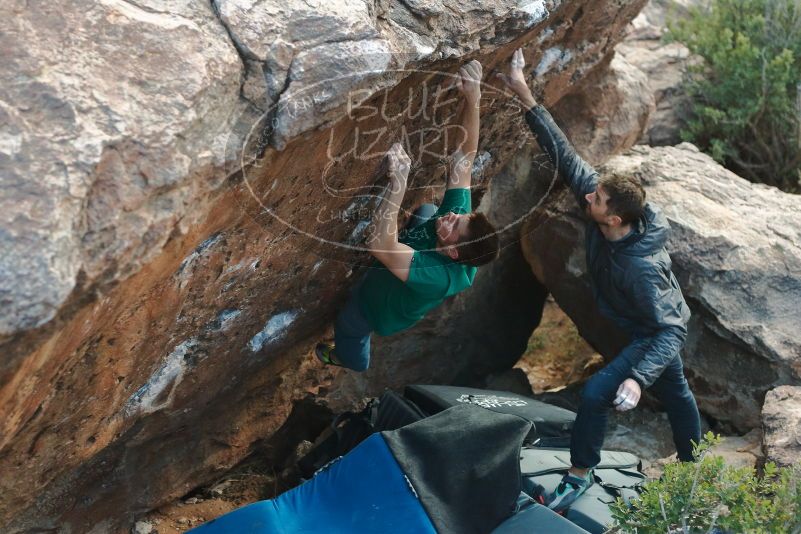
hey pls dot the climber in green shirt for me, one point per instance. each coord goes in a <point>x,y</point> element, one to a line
<point>433,258</point>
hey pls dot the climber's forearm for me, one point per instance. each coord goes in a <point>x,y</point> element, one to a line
<point>384,234</point>
<point>468,81</point>
<point>383,239</point>
<point>469,122</point>
<point>383,242</point>
<point>462,159</point>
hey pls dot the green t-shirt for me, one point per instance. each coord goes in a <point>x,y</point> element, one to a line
<point>389,304</point>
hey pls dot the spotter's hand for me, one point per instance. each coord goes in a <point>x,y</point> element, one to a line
<point>628,395</point>
<point>515,80</point>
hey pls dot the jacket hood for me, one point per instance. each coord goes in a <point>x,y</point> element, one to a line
<point>649,236</point>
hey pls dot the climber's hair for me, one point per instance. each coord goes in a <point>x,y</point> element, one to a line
<point>626,196</point>
<point>481,245</point>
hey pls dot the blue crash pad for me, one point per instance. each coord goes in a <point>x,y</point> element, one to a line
<point>364,492</point>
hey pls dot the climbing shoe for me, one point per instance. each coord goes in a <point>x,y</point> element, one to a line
<point>570,488</point>
<point>325,353</point>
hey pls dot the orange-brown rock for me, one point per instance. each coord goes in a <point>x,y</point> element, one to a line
<point>180,309</point>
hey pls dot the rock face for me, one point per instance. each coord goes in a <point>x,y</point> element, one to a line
<point>305,60</point>
<point>736,451</point>
<point>735,250</point>
<point>781,424</point>
<point>609,112</point>
<point>742,451</point>
<point>183,187</point>
<point>104,153</point>
<point>664,64</point>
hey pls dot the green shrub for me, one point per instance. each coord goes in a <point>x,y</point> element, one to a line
<point>747,93</point>
<point>708,494</point>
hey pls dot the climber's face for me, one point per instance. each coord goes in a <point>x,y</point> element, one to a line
<point>451,229</point>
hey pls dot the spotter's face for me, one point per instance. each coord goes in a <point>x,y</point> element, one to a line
<point>597,205</point>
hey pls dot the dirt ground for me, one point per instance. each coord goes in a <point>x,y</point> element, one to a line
<point>253,480</point>
<point>557,356</point>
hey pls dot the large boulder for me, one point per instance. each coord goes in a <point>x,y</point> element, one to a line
<point>736,451</point>
<point>664,64</point>
<point>184,188</point>
<point>781,425</point>
<point>115,116</point>
<point>609,112</point>
<point>735,250</point>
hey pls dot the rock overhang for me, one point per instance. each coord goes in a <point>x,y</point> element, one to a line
<point>175,316</point>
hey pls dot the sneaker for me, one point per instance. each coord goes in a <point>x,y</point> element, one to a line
<point>570,488</point>
<point>325,353</point>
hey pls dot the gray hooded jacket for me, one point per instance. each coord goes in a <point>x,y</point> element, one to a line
<point>631,278</point>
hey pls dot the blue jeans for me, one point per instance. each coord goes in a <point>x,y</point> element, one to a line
<point>670,388</point>
<point>352,334</point>
<point>351,330</point>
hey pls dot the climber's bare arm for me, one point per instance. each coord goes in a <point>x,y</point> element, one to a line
<point>383,240</point>
<point>468,82</point>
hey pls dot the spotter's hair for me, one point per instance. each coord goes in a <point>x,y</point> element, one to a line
<point>626,196</point>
